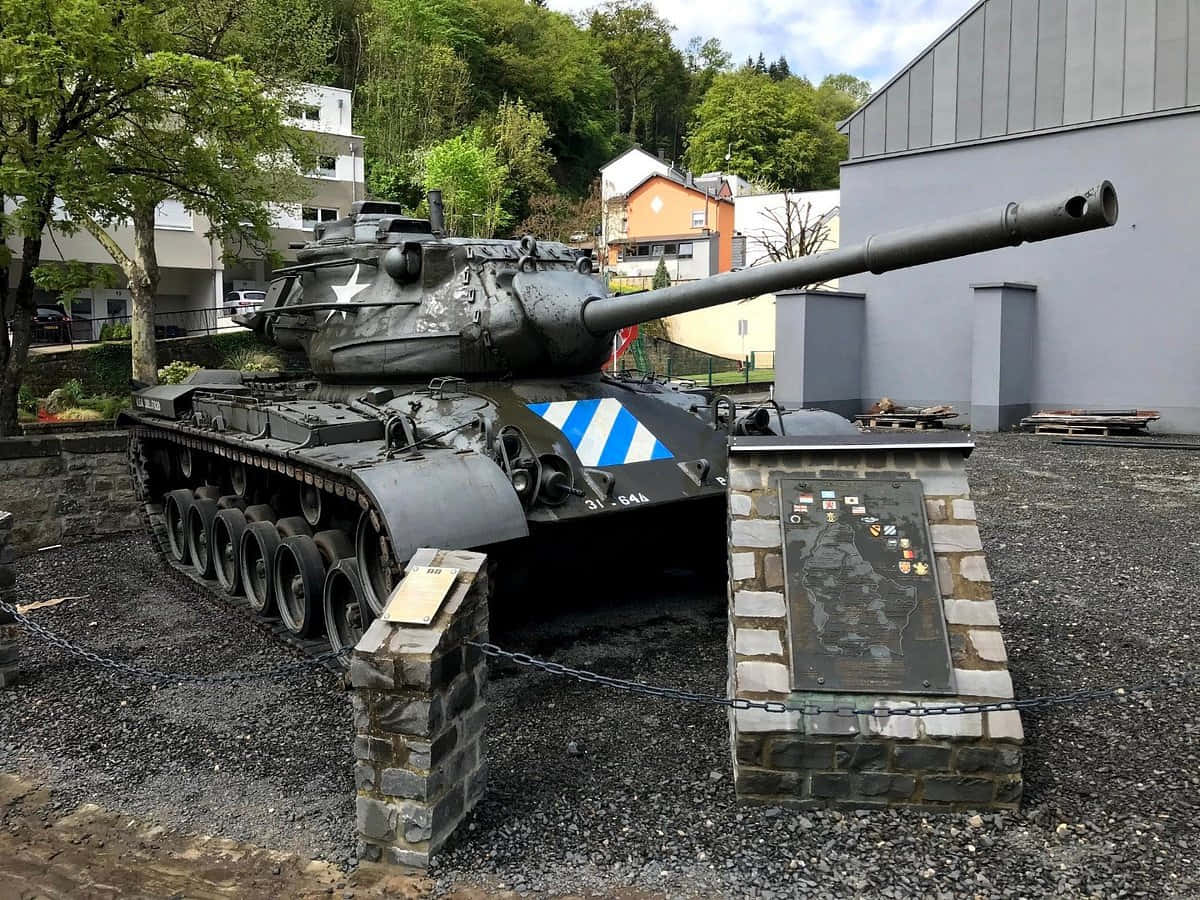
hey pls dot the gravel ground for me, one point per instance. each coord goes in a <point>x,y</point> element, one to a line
<point>1093,552</point>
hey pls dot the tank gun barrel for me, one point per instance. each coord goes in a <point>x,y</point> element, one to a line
<point>976,232</point>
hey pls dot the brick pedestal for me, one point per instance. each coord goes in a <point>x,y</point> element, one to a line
<point>789,759</point>
<point>10,632</point>
<point>419,717</point>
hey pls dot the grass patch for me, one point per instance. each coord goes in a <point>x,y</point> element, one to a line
<point>756,376</point>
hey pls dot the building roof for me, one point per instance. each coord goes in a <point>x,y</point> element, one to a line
<point>679,180</point>
<point>643,152</point>
<point>1016,67</point>
<point>659,238</point>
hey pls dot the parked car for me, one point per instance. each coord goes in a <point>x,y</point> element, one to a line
<point>51,325</point>
<point>242,301</point>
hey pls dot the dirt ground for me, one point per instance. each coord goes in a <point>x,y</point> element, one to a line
<point>97,854</point>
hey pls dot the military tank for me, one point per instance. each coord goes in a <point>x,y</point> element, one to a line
<point>456,400</point>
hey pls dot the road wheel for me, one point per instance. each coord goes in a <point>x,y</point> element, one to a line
<point>256,559</point>
<point>208,492</point>
<point>260,512</point>
<point>299,584</point>
<point>374,564</point>
<point>199,535</point>
<point>334,546</point>
<point>225,545</point>
<point>346,612</point>
<point>291,526</point>
<point>230,501</point>
<point>175,509</point>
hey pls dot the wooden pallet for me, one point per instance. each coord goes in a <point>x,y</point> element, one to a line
<point>919,424</point>
<point>1101,430</point>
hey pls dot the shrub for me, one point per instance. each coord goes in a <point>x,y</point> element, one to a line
<point>80,414</point>
<point>176,372</point>
<point>249,359</point>
<point>26,402</point>
<point>66,397</point>
<point>108,407</point>
<point>116,331</point>
<point>661,278</point>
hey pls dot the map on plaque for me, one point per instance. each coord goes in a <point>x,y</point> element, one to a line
<point>864,609</point>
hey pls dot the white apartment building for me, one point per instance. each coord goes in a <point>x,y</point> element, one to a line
<point>193,278</point>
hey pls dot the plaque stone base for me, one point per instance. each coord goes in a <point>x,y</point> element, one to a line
<point>789,610</point>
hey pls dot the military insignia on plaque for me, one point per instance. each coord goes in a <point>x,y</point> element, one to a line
<point>861,618</point>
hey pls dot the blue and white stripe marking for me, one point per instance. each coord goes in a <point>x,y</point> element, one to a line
<point>603,432</point>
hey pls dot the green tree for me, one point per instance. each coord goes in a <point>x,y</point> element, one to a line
<point>546,60</point>
<point>70,70</point>
<point>211,135</point>
<point>520,136</point>
<point>856,88</point>
<point>473,181</point>
<point>771,130</point>
<point>415,86</point>
<point>661,278</point>
<point>647,70</point>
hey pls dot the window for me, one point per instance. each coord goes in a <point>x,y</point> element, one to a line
<point>698,218</point>
<point>685,250</point>
<point>656,250</point>
<point>326,166</point>
<point>670,249</point>
<point>304,111</point>
<point>311,216</point>
<point>171,215</point>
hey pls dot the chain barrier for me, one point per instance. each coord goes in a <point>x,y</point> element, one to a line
<point>159,676</point>
<point>813,709</point>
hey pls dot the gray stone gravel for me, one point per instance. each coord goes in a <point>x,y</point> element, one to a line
<point>1093,552</point>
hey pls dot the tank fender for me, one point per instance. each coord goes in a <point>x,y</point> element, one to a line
<point>445,499</point>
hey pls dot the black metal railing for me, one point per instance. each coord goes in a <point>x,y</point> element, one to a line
<point>80,329</point>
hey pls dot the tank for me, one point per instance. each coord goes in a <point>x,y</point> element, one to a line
<point>456,401</point>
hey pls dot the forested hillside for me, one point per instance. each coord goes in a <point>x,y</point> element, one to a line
<point>511,107</point>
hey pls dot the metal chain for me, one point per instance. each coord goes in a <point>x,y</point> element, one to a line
<point>813,709</point>
<point>159,676</point>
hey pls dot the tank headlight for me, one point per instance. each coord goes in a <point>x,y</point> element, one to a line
<point>521,481</point>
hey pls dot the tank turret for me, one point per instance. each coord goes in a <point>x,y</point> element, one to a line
<point>381,296</point>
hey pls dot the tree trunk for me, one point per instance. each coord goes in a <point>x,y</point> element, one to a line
<point>23,309</point>
<point>143,284</point>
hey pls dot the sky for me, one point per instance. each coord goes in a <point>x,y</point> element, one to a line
<point>872,39</point>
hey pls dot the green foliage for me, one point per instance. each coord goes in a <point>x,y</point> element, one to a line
<point>473,181</point>
<point>773,130</point>
<point>26,401</point>
<point>520,135</point>
<point>116,331</point>
<point>107,407</point>
<point>250,359</point>
<point>108,368</point>
<point>176,372</point>
<point>661,278</point>
<point>649,76</point>
<point>66,397</point>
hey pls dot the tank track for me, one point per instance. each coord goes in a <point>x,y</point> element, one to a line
<point>154,519</point>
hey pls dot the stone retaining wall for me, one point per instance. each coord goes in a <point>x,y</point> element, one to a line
<point>419,717</point>
<point>943,762</point>
<point>10,633</point>
<point>67,488</point>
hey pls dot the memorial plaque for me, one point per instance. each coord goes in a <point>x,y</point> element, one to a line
<point>864,610</point>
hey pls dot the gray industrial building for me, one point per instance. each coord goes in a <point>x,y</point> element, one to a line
<point>1020,98</point>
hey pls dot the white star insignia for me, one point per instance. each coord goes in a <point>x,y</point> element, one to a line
<point>346,293</point>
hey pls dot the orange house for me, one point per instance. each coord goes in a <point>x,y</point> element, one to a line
<point>690,229</point>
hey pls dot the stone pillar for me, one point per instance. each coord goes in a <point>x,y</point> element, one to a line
<point>10,632</point>
<point>790,759</point>
<point>819,349</point>
<point>1002,354</point>
<point>419,717</point>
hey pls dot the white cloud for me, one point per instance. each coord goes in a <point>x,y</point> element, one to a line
<point>869,38</point>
